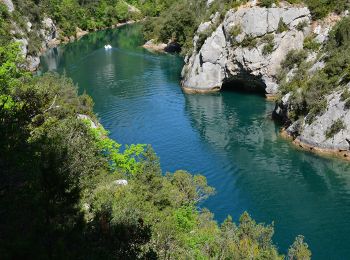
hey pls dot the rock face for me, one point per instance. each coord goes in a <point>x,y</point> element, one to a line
<point>49,35</point>
<point>171,47</point>
<point>9,4</point>
<point>313,136</point>
<point>235,50</point>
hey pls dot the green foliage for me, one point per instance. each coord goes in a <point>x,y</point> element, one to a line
<point>202,37</point>
<point>180,20</point>
<point>282,27</point>
<point>302,25</point>
<point>320,9</point>
<point>236,30</point>
<point>85,14</point>
<point>299,250</point>
<point>58,178</point>
<point>178,23</point>
<point>269,44</point>
<point>347,104</point>
<point>249,42</point>
<point>293,59</point>
<point>268,48</point>
<point>4,25</point>
<point>311,44</point>
<point>267,3</point>
<point>126,161</point>
<point>335,128</point>
<point>345,95</point>
<point>10,72</point>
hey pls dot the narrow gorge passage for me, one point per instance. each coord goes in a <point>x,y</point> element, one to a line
<point>226,136</point>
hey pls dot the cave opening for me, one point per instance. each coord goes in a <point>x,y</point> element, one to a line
<point>247,85</point>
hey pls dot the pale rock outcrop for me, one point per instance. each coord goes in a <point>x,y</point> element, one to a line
<point>86,118</point>
<point>314,134</point>
<point>9,5</point>
<point>222,58</point>
<point>49,35</point>
<point>121,182</point>
<point>80,33</point>
<point>152,45</point>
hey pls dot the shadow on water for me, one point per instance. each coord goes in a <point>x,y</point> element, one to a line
<point>247,84</point>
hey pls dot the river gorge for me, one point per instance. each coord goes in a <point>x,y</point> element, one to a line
<point>228,136</point>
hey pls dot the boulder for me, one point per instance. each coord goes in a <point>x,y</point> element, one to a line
<point>80,33</point>
<point>172,47</point>
<point>33,62</point>
<point>120,182</point>
<point>314,134</point>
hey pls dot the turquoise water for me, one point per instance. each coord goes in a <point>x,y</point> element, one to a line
<point>228,137</point>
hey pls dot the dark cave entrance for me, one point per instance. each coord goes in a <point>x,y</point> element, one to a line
<point>247,84</point>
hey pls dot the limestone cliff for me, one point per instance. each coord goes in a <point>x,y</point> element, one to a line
<point>247,46</point>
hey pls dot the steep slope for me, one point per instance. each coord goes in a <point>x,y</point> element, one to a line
<point>282,52</point>
<point>248,46</point>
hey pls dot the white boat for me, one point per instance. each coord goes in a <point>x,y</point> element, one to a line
<point>108,47</point>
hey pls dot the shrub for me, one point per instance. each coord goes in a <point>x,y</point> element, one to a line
<point>299,249</point>
<point>335,128</point>
<point>236,30</point>
<point>293,58</point>
<point>315,109</point>
<point>249,42</point>
<point>311,44</point>
<point>268,48</point>
<point>202,37</point>
<point>347,104</point>
<point>267,3</point>
<point>345,95</point>
<point>282,27</point>
<point>302,25</point>
<point>35,42</point>
<point>320,9</point>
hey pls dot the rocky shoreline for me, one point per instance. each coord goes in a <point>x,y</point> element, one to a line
<point>33,62</point>
<point>170,47</point>
<point>248,47</point>
<point>338,153</point>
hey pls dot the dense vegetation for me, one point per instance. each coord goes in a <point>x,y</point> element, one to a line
<point>309,90</point>
<point>180,20</point>
<point>72,14</point>
<point>59,190</point>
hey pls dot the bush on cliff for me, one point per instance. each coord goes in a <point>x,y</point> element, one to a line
<point>311,90</point>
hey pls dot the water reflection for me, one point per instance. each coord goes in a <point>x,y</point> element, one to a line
<point>300,191</point>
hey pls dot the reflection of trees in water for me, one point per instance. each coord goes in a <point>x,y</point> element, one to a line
<point>240,127</point>
<point>126,71</point>
<point>222,120</point>
<point>126,37</point>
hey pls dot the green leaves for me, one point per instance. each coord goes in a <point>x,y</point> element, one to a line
<point>126,161</point>
<point>299,250</point>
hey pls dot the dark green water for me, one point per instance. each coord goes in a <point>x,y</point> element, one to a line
<point>228,137</point>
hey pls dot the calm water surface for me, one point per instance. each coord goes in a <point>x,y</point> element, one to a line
<point>228,137</point>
